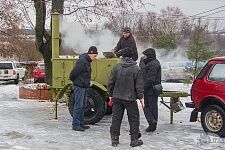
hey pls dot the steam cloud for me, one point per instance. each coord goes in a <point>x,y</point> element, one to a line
<point>75,37</point>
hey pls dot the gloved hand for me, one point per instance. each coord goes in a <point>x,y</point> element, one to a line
<point>119,53</point>
<point>110,103</point>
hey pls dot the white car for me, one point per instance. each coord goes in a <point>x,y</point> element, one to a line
<point>174,71</point>
<point>11,70</point>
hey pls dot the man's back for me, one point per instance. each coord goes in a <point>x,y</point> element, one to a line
<point>127,80</point>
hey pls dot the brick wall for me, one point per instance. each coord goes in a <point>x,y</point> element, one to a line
<point>25,93</point>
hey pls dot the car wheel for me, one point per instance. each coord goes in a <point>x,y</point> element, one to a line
<point>96,107</point>
<point>213,120</point>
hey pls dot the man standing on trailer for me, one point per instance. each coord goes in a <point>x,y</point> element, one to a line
<point>126,41</point>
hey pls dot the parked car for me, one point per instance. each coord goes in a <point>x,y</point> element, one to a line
<point>208,97</point>
<point>11,70</point>
<point>174,71</point>
<point>39,72</point>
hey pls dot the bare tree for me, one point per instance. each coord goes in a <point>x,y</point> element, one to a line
<point>171,23</point>
<point>83,11</point>
<point>10,23</point>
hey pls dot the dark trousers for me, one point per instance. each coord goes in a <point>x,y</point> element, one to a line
<point>80,102</point>
<point>119,106</point>
<point>151,108</point>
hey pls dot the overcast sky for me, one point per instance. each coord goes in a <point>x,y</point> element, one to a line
<point>190,7</point>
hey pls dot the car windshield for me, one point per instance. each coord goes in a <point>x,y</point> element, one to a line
<point>6,66</point>
<point>18,65</point>
<point>41,66</point>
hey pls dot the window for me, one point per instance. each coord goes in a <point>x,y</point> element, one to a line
<point>6,66</point>
<point>18,65</point>
<point>41,66</point>
<point>218,73</point>
<point>204,71</point>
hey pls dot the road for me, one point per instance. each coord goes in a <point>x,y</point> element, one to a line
<point>29,125</point>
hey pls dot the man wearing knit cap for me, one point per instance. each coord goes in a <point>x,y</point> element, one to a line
<point>151,70</point>
<point>125,85</point>
<point>81,77</point>
<point>127,40</point>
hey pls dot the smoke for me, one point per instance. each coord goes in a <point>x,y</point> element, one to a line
<point>75,37</point>
<point>163,56</point>
<point>178,54</point>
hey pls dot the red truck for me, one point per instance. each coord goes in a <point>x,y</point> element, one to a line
<point>208,97</point>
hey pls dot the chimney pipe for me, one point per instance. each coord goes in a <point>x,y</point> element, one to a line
<point>55,35</point>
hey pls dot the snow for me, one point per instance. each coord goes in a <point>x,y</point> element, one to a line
<point>29,125</point>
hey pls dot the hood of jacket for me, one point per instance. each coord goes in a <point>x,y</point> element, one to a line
<point>127,62</point>
<point>150,53</point>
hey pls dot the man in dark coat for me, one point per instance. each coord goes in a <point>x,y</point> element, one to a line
<point>151,70</point>
<point>127,40</point>
<point>81,76</point>
<point>125,86</point>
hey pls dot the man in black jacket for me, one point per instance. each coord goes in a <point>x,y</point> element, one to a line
<point>127,40</point>
<point>151,70</point>
<point>81,77</point>
<point>125,86</point>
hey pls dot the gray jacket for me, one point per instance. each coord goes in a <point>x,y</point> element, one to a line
<point>126,81</point>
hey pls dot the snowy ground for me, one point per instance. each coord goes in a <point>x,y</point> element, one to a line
<point>28,125</point>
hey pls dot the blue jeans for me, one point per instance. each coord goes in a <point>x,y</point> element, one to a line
<point>80,102</point>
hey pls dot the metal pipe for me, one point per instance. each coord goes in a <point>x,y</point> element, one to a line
<point>55,51</point>
<point>55,35</point>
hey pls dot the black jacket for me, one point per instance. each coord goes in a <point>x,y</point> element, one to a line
<point>126,81</point>
<point>81,73</point>
<point>127,42</point>
<point>151,70</point>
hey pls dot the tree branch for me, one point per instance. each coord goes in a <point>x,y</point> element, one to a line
<point>26,15</point>
<point>79,8</point>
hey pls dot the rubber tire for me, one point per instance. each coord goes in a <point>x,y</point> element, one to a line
<point>101,104</point>
<point>16,81</point>
<point>217,108</point>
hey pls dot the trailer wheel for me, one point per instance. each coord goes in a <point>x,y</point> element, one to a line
<point>213,120</point>
<point>96,107</point>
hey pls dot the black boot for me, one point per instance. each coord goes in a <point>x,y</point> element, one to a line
<point>115,140</point>
<point>78,129</point>
<point>85,127</point>
<point>151,128</point>
<point>135,140</point>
